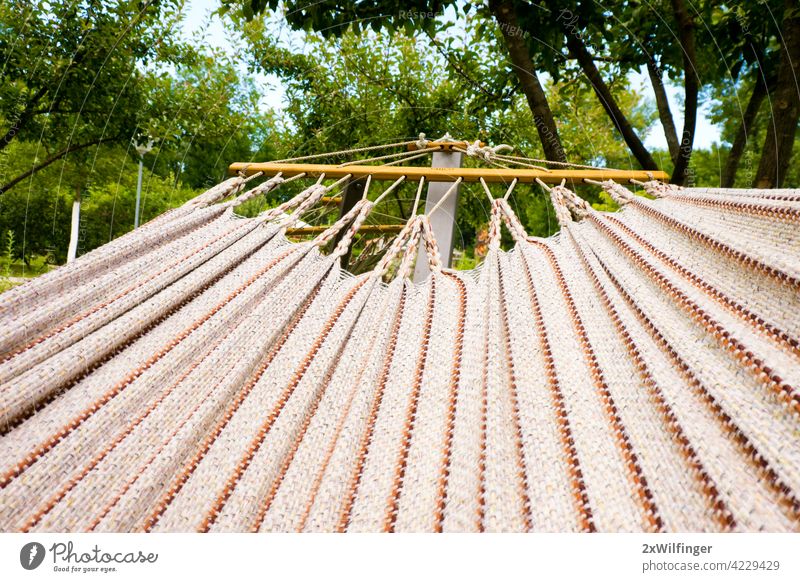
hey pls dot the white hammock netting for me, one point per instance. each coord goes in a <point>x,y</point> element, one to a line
<point>636,372</point>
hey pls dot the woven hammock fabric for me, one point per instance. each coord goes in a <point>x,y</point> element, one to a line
<point>636,372</point>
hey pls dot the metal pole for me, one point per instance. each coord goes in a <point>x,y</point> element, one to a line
<point>443,221</point>
<point>138,193</point>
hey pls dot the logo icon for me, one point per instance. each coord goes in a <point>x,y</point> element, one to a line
<point>31,555</point>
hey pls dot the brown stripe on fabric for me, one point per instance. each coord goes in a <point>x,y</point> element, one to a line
<point>787,499</point>
<point>717,505</point>
<point>94,261</point>
<point>190,467</point>
<point>455,378</point>
<point>255,444</point>
<point>746,358</point>
<point>89,270</point>
<point>717,246</point>
<point>68,383</point>
<point>484,435</point>
<point>69,323</point>
<point>44,447</point>
<point>758,324</point>
<point>287,332</point>
<point>61,493</point>
<point>579,493</point>
<point>339,427</point>
<point>522,471</point>
<point>761,210</point>
<point>116,499</point>
<point>760,194</point>
<point>411,415</point>
<point>309,416</point>
<point>366,440</point>
<point>636,475</point>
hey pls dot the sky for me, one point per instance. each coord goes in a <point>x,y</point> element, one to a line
<point>199,21</point>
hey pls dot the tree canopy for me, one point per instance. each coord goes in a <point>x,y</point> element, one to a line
<point>81,81</point>
<point>702,45</point>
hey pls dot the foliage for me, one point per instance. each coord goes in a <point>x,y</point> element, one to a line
<point>701,45</point>
<point>72,71</point>
<point>120,72</point>
<point>364,89</point>
<point>39,214</point>
<point>8,255</point>
<point>362,74</point>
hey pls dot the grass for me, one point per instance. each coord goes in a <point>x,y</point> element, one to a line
<point>11,272</point>
<point>38,266</point>
<point>5,284</point>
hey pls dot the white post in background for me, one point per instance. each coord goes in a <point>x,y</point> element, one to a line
<point>443,220</point>
<point>141,149</point>
<point>138,193</point>
<point>72,249</point>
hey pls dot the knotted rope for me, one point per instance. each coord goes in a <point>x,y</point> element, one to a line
<point>488,153</point>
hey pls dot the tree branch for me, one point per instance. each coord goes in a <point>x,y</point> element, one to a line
<point>54,158</point>
<point>691,83</point>
<point>461,71</point>
<point>760,91</point>
<point>664,113</point>
<point>23,119</point>
<point>506,17</point>
<point>601,89</point>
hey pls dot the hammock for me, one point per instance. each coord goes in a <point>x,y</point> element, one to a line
<point>635,372</point>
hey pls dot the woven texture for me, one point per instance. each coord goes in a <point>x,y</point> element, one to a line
<point>636,372</point>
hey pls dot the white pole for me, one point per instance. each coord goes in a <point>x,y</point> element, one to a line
<point>443,221</point>
<point>72,250</point>
<point>138,193</point>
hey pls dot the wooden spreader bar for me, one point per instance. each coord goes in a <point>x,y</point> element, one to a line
<point>501,175</point>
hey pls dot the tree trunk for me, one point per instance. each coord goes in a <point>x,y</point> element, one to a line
<point>351,194</point>
<point>777,151</point>
<point>620,121</point>
<point>745,129</point>
<point>54,158</point>
<point>503,11</point>
<point>691,84</point>
<point>664,112</point>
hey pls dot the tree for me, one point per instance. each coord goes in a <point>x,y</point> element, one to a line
<point>333,18</point>
<point>367,88</point>
<point>71,72</point>
<point>538,37</point>
<point>505,12</point>
<point>779,141</point>
<point>204,117</point>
